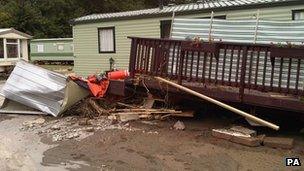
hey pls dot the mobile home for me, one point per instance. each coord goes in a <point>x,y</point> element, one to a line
<point>100,37</point>
<point>52,50</point>
<point>13,47</point>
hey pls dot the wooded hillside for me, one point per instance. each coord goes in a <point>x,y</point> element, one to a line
<point>50,18</point>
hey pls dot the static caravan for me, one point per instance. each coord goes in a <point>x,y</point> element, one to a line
<point>58,50</point>
<point>101,37</point>
<point>13,47</point>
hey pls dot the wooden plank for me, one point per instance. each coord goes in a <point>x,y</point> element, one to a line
<point>298,75</point>
<point>138,54</point>
<point>210,67</point>
<point>186,65</point>
<point>211,100</point>
<point>243,72</point>
<point>238,65</point>
<point>191,66</point>
<point>257,68</point>
<point>173,59</point>
<point>264,69</point>
<point>204,67</point>
<point>231,63</point>
<point>198,64</point>
<point>289,73</point>
<point>280,76</point>
<point>178,59</point>
<point>250,68</point>
<point>224,64</point>
<point>143,49</point>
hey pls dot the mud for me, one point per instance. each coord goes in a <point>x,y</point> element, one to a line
<point>161,148</point>
<point>4,117</point>
<point>139,145</point>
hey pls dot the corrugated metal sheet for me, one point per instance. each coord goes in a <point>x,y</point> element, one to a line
<point>246,31</point>
<point>215,4</point>
<point>41,89</point>
<point>36,87</point>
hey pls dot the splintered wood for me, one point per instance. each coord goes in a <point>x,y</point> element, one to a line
<point>140,113</point>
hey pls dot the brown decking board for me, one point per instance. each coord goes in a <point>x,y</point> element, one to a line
<point>231,94</point>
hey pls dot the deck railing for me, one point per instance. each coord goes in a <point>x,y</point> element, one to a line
<point>266,68</point>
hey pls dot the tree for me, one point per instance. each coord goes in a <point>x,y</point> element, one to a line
<point>50,18</point>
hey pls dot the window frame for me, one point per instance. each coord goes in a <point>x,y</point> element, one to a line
<point>164,23</point>
<point>39,50</point>
<point>114,39</point>
<point>294,13</point>
<point>60,45</point>
<point>17,44</point>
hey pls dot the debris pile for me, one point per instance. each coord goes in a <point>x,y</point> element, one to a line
<point>72,127</point>
<point>125,115</point>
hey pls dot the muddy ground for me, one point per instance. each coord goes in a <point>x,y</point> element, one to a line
<point>45,143</point>
<point>27,144</point>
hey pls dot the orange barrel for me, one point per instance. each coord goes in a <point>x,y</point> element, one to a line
<point>118,75</point>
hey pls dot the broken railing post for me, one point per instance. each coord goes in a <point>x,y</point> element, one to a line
<point>209,99</point>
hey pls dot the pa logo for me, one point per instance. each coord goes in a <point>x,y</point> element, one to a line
<point>292,161</point>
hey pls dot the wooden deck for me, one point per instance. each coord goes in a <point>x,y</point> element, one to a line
<point>258,75</point>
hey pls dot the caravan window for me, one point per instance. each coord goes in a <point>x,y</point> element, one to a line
<point>165,28</point>
<point>12,48</point>
<point>60,47</point>
<point>298,14</point>
<point>40,48</point>
<point>106,40</point>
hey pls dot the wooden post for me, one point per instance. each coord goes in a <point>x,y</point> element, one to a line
<point>256,27</point>
<point>243,72</point>
<point>210,28</point>
<point>133,57</point>
<point>172,22</point>
<point>209,99</point>
<point>4,49</point>
<point>181,66</point>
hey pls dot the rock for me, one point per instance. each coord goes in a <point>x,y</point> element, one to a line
<point>244,130</point>
<point>278,142</point>
<point>179,125</point>
<point>237,137</point>
<point>31,124</point>
<point>57,138</point>
<point>74,135</point>
<point>39,121</point>
<point>90,129</point>
<point>84,122</point>
<point>55,127</point>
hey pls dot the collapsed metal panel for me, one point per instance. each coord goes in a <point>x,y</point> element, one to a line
<point>41,89</point>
